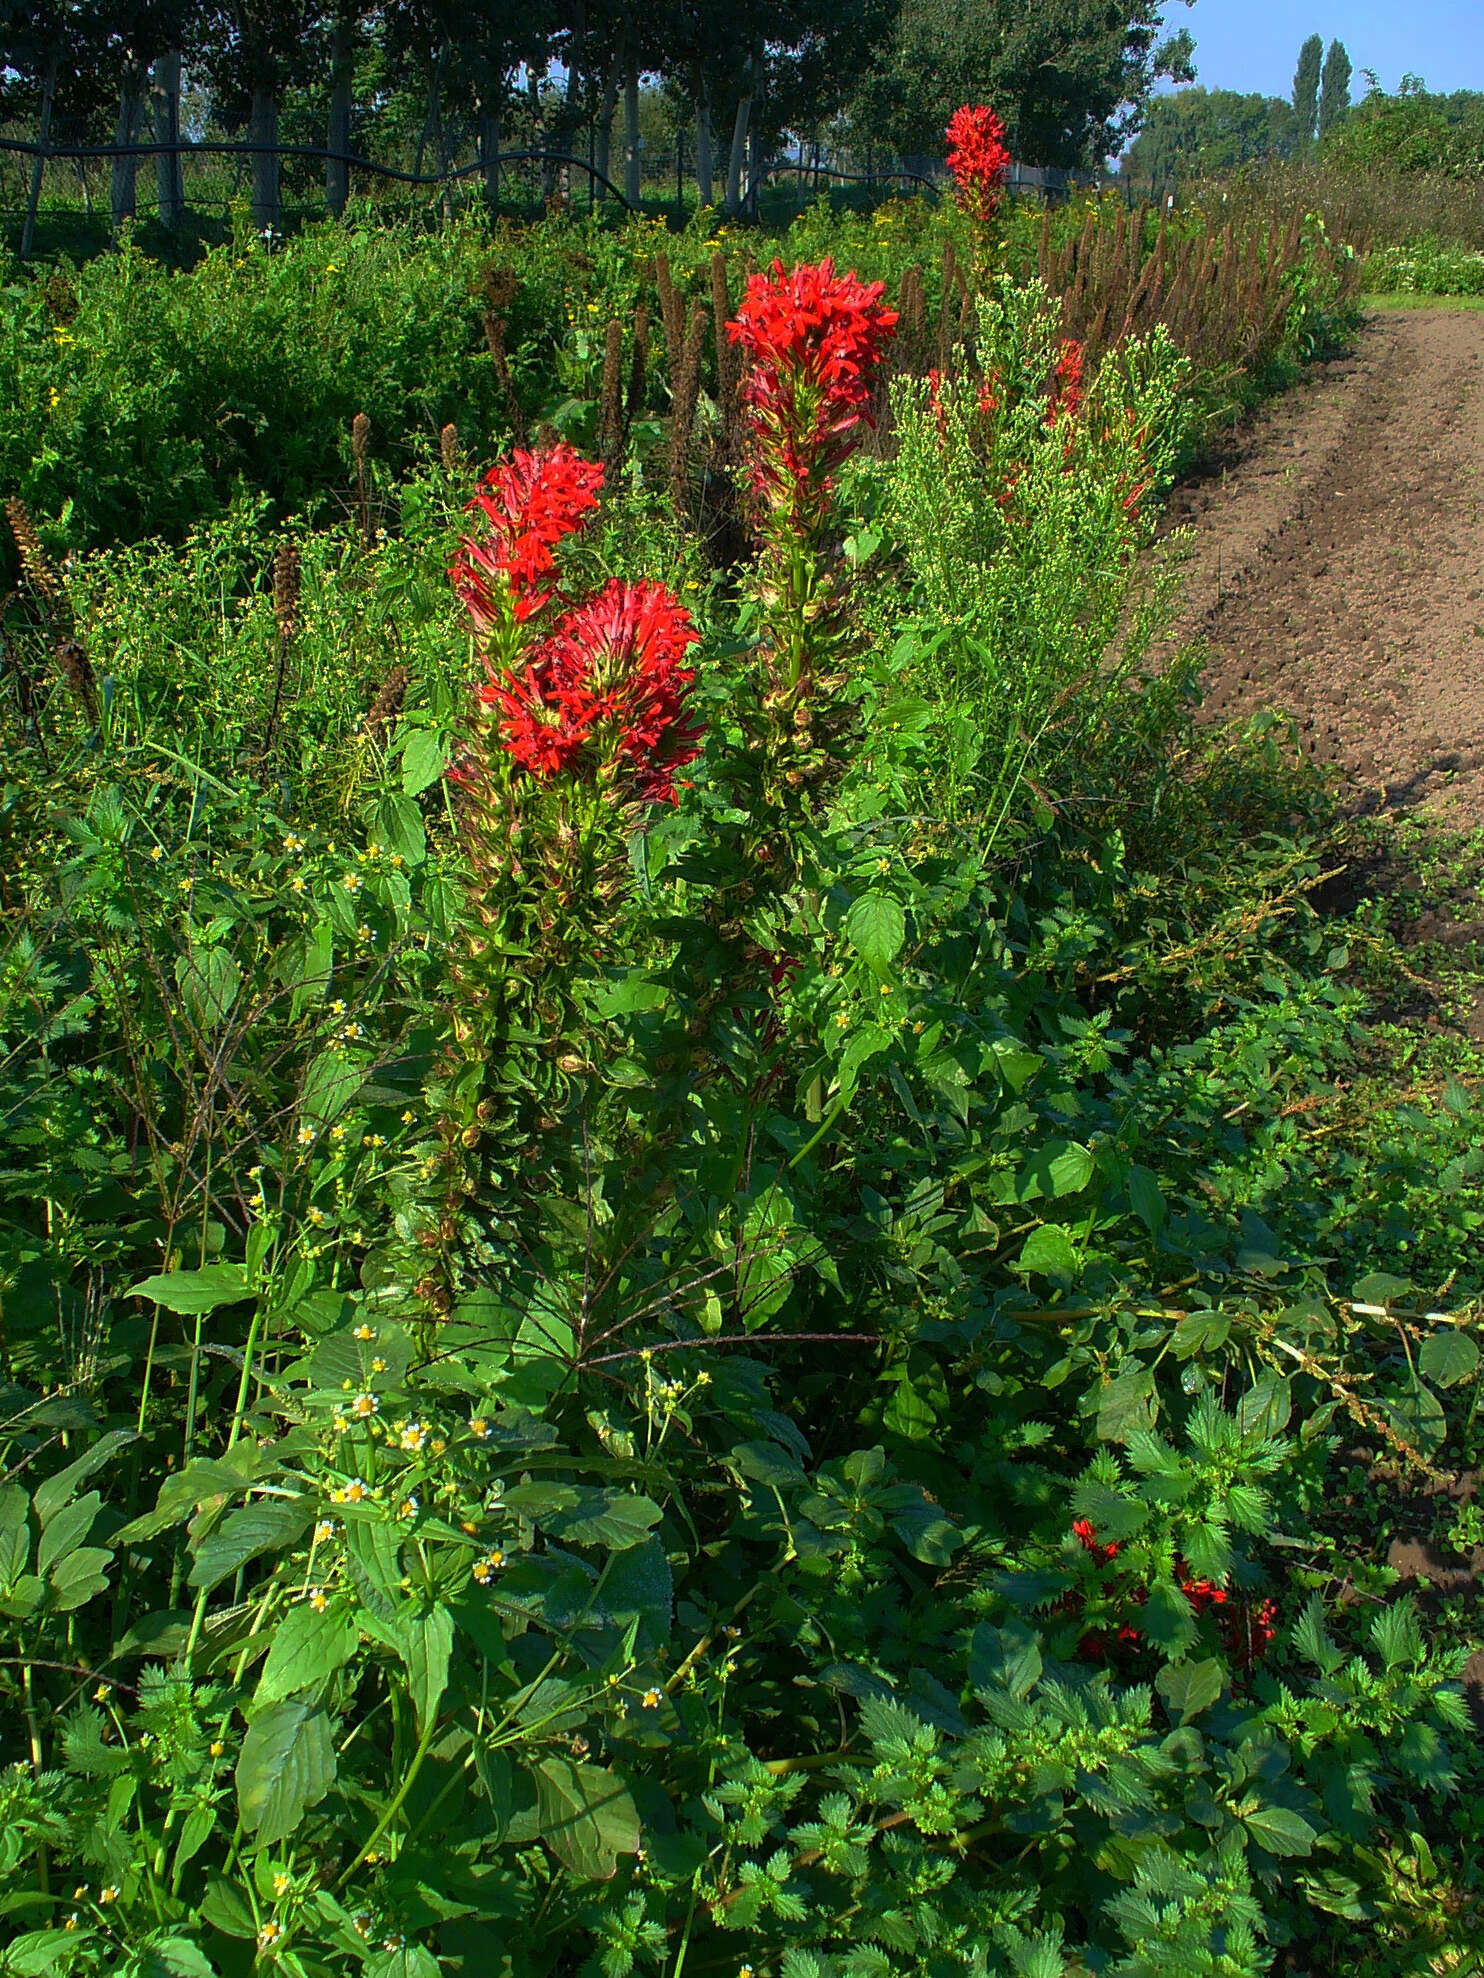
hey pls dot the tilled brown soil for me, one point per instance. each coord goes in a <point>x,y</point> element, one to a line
<point>1336,570</point>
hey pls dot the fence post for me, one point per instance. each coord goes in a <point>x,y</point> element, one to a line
<point>43,138</point>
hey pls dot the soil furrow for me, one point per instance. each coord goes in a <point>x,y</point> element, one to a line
<point>1336,567</point>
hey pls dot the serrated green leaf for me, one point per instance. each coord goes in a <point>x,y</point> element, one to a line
<point>269,1525</point>
<point>189,1292</point>
<point>587,1815</point>
<point>15,1533</point>
<point>424,759</point>
<point>67,1529</point>
<point>429,1645</point>
<point>287,1764</point>
<point>1190,1687</point>
<point>877,927</point>
<point>399,825</point>
<point>208,980</point>
<point>308,1648</point>
<point>1049,1252</point>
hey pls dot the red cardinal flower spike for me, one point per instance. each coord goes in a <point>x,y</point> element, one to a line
<point>1066,383</point>
<point>605,693</point>
<point>977,159</point>
<point>815,339</point>
<point>529,503</point>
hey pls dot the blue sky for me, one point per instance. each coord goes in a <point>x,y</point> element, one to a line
<point>1254,44</point>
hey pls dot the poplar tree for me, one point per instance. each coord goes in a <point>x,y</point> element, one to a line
<point>1334,99</point>
<point>1306,88</point>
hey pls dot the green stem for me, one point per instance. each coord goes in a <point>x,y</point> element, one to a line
<point>424,1744</point>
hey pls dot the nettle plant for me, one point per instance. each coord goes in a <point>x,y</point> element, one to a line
<point>731,1494</point>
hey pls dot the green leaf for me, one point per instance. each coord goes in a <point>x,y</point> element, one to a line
<point>423,761</point>
<point>307,1648</point>
<point>1201,1331</point>
<point>287,1763</point>
<point>330,1083</point>
<point>79,1577</point>
<point>172,1957</point>
<point>68,1528</point>
<point>587,1817</point>
<point>410,1961</point>
<point>270,1525</point>
<point>1145,1197</point>
<point>1382,1289</point>
<point>877,927</point>
<point>603,1517</point>
<point>53,1494</point>
<point>1448,1357</point>
<point>1416,1414</point>
<point>399,824</point>
<point>226,1909</point>
<point>1061,1167</point>
<point>15,1533</point>
<point>1189,1687</point>
<point>1048,1252</point>
<point>1123,1405</point>
<point>189,1292</point>
<point>1264,1411</point>
<point>1280,1830</point>
<point>429,1644</point>
<point>208,980</point>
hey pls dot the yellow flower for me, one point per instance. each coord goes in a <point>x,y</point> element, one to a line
<point>413,1436</point>
<point>651,1699</point>
<point>409,1118</point>
<point>364,1332</point>
<point>306,1135</point>
<point>102,1693</point>
<point>269,1935</point>
<point>318,1599</point>
<point>352,882</point>
<point>378,1366</point>
<point>479,1428</point>
<point>157,853</point>
<point>407,1508</point>
<point>364,1407</point>
<point>280,1884</point>
<point>216,1748</point>
<point>324,1530</point>
<point>843,1019</point>
<point>110,1893</point>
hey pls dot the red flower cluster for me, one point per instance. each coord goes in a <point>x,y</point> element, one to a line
<point>815,339</point>
<point>977,158</point>
<point>531,501</point>
<point>1247,1629</point>
<point>605,690</point>
<point>1082,1529</point>
<point>1066,383</point>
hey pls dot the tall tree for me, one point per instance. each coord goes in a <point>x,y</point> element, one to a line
<point>1069,77</point>
<point>1306,87</point>
<point>1334,97</point>
<point>253,50</point>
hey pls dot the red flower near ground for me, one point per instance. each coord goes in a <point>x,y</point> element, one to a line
<point>605,692</point>
<point>1083,1530</point>
<point>1066,383</point>
<point>814,338</point>
<point>977,159</point>
<point>530,502</point>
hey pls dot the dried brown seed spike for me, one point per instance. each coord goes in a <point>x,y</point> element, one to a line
<point>360,438</point>
<point>286,580</point>
<point>39,573</point>
<point>448,447</point>
<point>387,704</point>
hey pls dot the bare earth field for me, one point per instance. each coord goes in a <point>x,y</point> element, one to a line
<point>1337,566</point>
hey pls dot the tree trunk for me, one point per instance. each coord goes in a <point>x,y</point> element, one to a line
<point>38,165</point>
<point>738,154</point>
<point>704,167</point>
<point>165,97</point>
<point>604,147</point>
<point>263,133</point>
<point>489,157</point>
<point>337,134</point>
<point>122,183</point>
<point>633,160</point>
<point>434,117</point>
